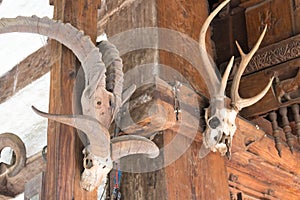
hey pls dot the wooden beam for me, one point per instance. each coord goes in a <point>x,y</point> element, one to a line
<point>201,179</point>
<point>271,100</point>
<point>15,185</point>
<point>257,177</point>
<point>24,73</point>
<point>64,157</point>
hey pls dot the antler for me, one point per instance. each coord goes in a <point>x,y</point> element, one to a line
<point>213,81</point>
<point>238,102</point>
<point>219,118</point>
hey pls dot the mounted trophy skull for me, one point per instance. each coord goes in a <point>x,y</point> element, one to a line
<point>220,119</point>
<point>100,100</point>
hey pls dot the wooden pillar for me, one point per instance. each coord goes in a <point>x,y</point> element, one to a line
<point>64,157</point>
<point>189,177</point>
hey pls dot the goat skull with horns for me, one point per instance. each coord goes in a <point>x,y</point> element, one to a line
<point>220,120</point>
<point>100,99</point>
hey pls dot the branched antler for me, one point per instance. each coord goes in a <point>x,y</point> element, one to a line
<point>220,120</point>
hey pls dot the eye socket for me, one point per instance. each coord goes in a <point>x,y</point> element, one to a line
<point>88,163</point>
<point>214,122</point>
<point>99,103</point>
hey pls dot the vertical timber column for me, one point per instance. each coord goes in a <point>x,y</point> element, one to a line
<point>64,157</point>
<point>190,177</point>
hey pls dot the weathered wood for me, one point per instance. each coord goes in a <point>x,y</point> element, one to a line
<point>185,18</point>
<point>211,182</point>
<point>36,64</point>
<point>270,101</point>
<point>272,55</point>
<point>64,147</point>
<point>279,21</point>
<point>34,188</point>
<point>34,165</point>
<point>192,178</point>
<point>151,109</point>
<point>256,176</point>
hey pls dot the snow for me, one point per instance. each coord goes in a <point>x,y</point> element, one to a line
<point>19,45</point>
<point>16,115</point>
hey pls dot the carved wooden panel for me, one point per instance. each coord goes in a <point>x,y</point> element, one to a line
<point>252,84</point>
<point>226,30</point>
<point>276,14</point>
<point>272,55</point>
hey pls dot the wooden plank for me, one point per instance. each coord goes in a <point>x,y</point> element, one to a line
<point>151,109</point>
<point>279,21</point>
<point>210,182</point>
<point>261,178</point>
<point>185,17</point>
<point>274,54</point>
<point>192,178</point>
<point>34,188</point>
<point>64,157</point>
<point>296,16</point>
<point>254,83</point>
<point>34,165</point>
<point>36,64</point>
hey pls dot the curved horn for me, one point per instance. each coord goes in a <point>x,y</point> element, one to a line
<point>97,134</point>
<point>80,44</point>
<point>214,82</point>
<point>114,65</point>
<point>13,141</point>
<point>237,101</point>
<point>133,144</point>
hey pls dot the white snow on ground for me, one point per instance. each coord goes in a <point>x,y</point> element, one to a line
<point>14,47</point>
<point>16,115</point>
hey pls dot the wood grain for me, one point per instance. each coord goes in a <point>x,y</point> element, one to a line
<point>64,147</point>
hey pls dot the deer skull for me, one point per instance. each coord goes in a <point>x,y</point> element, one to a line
<point>219,117</point>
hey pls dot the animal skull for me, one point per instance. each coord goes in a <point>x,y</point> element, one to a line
<point>100,99</point>
<point>95,170</point>
<point>219,117</point>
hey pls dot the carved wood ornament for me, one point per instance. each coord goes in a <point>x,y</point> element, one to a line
<point>284,88</point>
<point>100,100</point>
<point>18,162</point>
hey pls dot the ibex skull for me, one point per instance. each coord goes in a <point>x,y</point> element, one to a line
<point>100,100</point>
<point>219,117</point>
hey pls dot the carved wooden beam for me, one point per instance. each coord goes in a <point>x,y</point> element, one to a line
<point>284,92</point>
<point>152,108</point>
